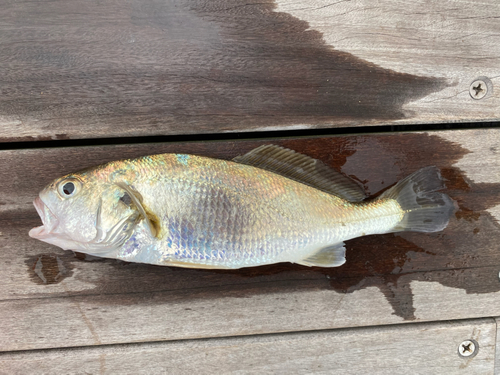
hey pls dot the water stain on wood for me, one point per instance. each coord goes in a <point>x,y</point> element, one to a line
<point>161,67</point>
<point>463,256</point>
<point>49,268</point>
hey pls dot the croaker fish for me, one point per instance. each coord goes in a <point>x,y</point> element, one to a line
<point>270,205</point>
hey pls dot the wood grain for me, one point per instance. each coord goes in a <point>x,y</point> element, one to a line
<point>50,298</point>
<point>107,69</point>
<point>414,349</point>
<point>440,40</point>
<point>497,349</point>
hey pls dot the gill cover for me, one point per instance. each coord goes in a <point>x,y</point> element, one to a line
<point>112,239</point>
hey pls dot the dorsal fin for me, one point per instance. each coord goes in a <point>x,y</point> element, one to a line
<point>331,256</point>
<point>304,169</point>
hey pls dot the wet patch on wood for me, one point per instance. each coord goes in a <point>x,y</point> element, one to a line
<point>49,268</point>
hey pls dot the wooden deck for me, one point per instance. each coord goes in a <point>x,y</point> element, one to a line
<point>403,303</point>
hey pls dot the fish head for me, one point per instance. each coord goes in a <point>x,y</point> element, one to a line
<point>80,211</point>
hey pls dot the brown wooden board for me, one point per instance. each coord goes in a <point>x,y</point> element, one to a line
<point>497,349</point>
<point>52,298</point>
<point>73,69</point>
<point>428,348</point>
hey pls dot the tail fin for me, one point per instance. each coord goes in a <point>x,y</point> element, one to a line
<point>426,210</point>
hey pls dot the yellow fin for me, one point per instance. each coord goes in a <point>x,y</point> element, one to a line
<point>194,265</point>
<point>304,169</point>
<point>331,256</point>
<point>151,220</point>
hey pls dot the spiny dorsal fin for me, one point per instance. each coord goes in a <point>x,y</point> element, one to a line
<point>331,256</point>
<point>137,200</point>
<point>304,169</point>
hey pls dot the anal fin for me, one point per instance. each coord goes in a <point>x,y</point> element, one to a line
<point>330,256</point>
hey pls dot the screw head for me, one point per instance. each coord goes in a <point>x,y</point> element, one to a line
<point>478,89</point>
<point>468,348</point>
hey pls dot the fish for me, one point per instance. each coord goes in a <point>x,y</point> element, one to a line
<point>270,205</point>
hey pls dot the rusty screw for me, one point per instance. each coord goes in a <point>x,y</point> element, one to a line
<point>468,348</point>
<point>478,89</point>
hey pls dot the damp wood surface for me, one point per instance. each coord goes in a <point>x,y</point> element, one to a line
<point>426,348</point>
<point>56,299</point>
<point>71,69</point>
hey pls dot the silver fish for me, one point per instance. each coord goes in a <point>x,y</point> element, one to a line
<point>270,205</point>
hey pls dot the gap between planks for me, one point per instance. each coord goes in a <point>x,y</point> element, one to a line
<point>246,135</point>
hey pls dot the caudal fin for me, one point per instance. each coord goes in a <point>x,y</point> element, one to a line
<point>426,209</point>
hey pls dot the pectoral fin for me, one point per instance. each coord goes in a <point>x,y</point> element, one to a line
<point>137,200</point>
<point>331,256</point>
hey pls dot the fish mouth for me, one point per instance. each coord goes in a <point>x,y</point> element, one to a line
<point>49,221</point>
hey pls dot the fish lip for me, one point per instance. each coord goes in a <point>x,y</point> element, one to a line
<point>49,220</point>
<point>39,206</point>
<point>37,232</point>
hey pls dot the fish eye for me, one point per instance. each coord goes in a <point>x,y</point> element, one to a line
<point>68,188</point>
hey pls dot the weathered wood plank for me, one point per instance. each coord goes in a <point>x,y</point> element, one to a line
<point>440,40</point>
<point>49,298</point>
<point>497,349</point>
<point>107,69</point>
<point>411,349</point>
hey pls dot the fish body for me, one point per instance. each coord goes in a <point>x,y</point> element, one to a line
<point>271,205</point>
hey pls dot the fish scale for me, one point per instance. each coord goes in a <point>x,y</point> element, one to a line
<point>238,230</point>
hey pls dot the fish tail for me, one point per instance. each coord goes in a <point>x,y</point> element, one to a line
<point>425,209</point>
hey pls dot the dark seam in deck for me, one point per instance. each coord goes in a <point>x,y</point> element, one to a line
<point>230,136</point>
